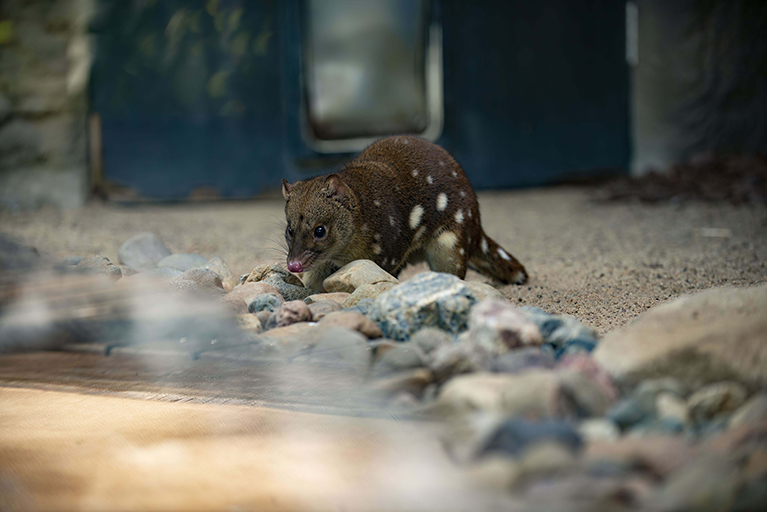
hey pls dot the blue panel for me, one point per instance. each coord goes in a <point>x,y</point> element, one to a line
<point>189,97</point>
<point>535,91</point>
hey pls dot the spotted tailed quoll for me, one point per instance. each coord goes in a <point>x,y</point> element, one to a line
<point>402,200</point>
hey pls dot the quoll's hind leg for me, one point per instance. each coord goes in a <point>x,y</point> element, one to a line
<point>445,253</point>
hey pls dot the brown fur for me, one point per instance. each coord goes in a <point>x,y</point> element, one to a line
<point>367,210</point>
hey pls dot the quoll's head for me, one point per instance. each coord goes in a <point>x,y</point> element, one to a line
<point>319,220</point>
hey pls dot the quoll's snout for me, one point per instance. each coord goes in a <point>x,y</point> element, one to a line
<point>295,267</point>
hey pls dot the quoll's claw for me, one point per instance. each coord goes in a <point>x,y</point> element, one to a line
<point>295,267</point>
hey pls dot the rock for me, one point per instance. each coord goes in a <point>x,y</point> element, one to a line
<point>494,472</point>
<point>197,279</point>
<point>367,291</point>
<point>292,312</point>
<point>285,342</point>
<point>286,284</point>
<point>262,272</point>
<point>67,264</point>
<point>100,265</point>
<point>183,262</point>
<point>500,327</point>
<point>629,412</point>
<point>265,302</point>
<point>547,458</point>
<point>659,455</point>
<point>533,394</point>
<point>515,361</point>
<point>699,339</point>
<point>670,406</point>
<point>711,484</point>
<point>580,492</point>
<point>484,291</point>
<point>585,397</point>
<point>752,412</point>
<point>354,321</point>
<point>263,317</point>
<point>323,308</point>
<point>219,267</point>
<point>565,334</point>
<point>338,344</point>
<point>355,274</point>
<point>337,297</point>
<point>463,356</point>
<point>598,429</point>
<point>142,252</point>
<point>517,436</point>
<point>249,323</point>
<point>364,306</point>
<point>427,300</point>
<point>751,497</point>
<point>716,399</point>
<point>657,426</point>
<point>402,356</point>
<point>412,381</point>
<point>587,366</point>
<point>648,390</point>
<point>288,291</point>
<point>428,339</point>
<point>246,293</point>
<point>164,274</point>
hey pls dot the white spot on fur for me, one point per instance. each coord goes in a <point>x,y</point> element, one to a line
<point>463,193</point>
<point>364,227</point>
<point>376,249</point>
<point>377,236</point>
<point>503,254</point>
<point>429,179</point>
<point>470,214</point>
<point>459,216</point>
<point>393,262</point>
<point>419,233</point>
<point>455,174</point>
<point>447,240</point>
<point>441,202</point>
<point>415,173</point>
<point>442,163</point>
<point>461,251</point>
<point>391,220</point>
<point>415,216</point>
<point>484,245</point>
<point>405,141</point>
<point>377,202</point>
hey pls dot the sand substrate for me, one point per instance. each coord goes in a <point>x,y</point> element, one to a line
<point>602,262</point>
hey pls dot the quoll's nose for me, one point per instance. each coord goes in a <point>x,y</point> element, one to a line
<point>295,266</point>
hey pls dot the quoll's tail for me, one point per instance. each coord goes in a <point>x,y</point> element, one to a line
<point>491,259</point>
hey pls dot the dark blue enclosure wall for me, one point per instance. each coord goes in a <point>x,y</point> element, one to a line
<point>193,97</point>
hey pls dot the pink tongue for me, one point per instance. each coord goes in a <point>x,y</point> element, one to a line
<point>295,266</point>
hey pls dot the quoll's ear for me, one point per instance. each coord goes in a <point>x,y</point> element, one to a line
<point>287,188</point>
<point>336,188</point>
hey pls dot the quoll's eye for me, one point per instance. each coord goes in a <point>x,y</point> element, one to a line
<point>320,232</point>
<point>290,232</point>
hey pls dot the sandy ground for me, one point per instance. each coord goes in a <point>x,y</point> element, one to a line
<point>604,263</point>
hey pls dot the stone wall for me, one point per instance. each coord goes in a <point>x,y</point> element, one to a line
<point>44,69</point>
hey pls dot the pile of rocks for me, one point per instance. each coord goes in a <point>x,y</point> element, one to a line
<point>669,413</point>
